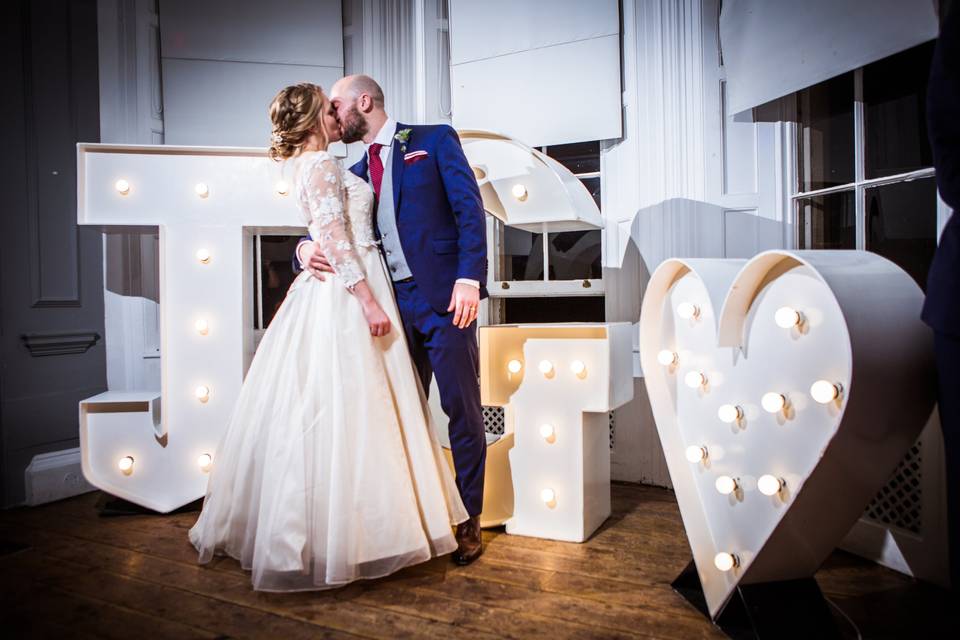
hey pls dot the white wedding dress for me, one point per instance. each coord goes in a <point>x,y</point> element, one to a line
<point>330,469</point>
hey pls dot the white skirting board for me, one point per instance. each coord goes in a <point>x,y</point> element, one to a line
<point>54,476</point>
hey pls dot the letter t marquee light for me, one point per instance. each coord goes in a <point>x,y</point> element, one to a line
<point>208,204</point>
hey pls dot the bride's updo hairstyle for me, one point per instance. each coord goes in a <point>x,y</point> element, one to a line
<point>296,113</point>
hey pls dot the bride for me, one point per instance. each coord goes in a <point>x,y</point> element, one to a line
<point>329,470</point>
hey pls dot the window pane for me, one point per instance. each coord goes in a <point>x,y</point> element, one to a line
<point>572,309</point>
<point>895,109</point>
<point>902,224</point>
<point>825,132</point>
<point>593,186</point>
<point>580,157</point>
<point>521,255</point>
<point>276,272</point>
<point>575,255</point>
<point>827,222</point>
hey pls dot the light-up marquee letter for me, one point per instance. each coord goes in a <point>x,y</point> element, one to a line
<point>156,449</point>
<point>785,390</point>
<point>558,384</point>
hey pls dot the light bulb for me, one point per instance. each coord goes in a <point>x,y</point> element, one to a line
<point>126,464</point>
<point>514,366</point>
<point>548,432</point>
<point>203,256</point>
<point>696,454</point>
<point>202,189</point>
<point>667,357</point>
<point>695,379</point>
<point>282,187</point>
<point>519,192</point>
<point>688,310</point>
<point>769,485</point>
<point>578,368</point>
<point>203,393</point>
<point>824,391</point>
<point>729,413</point>
<point>205,460</point>
<point>546,367</point>
<point>725,561</point>
<point>122,186</point>
<point>726,485</point>
<point>549,497</point>
<point>773,402</point>
<point>787,317</point>
<point>202,326</point>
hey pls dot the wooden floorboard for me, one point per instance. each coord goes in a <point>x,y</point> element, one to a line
<point>82,575</point>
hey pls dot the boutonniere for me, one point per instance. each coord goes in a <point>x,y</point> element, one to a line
<point>402,137</point>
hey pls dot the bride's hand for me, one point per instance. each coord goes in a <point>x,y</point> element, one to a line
<point>377,320</point>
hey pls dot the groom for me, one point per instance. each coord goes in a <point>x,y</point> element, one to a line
<point>430,221</point>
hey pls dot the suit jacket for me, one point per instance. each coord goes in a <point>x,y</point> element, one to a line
<point>941,309</point>
<point>440,216</point>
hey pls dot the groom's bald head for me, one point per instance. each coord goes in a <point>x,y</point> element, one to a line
<point>359,101</point>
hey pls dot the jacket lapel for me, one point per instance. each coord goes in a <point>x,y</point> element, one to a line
<point>359,169</point>
<point>398,166</point>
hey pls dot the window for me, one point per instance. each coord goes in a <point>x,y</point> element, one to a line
<point>550,276</point>
<point>865,168</point>
<point>274,274</point>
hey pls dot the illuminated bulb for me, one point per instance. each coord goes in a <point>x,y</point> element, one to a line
<point>202,189</point>
<point>203,393</point>
<point>725,561</point>
<point>688,310</point>
<point>769,485</point>
<point>126,464</point>
<point>122,186</point>
<point>729,413</point>
<point>282,187</point>
<point>824,391</point>
<point>726,485</point>
<point>549,497</point>
<point>667,357</point>
<point>578,368</point>
<point>548,432</point>
<point>787,317</point>
<point>203,256</point>
<point>205,461</point>
<point>519,192</point>
<point>695,379</point>
<point>773,402</point>
<point>696,454</point>
<point>546,367</point>
<point>203,327</point>
<point>514,366</point>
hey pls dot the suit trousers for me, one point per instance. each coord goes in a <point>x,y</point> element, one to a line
<point>947,349</point>
<point>438,347</point>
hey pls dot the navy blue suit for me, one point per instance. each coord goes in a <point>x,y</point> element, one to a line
<point>941,309</point>
<point>442,229</point>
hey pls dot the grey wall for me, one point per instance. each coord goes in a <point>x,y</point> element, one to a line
<point>223,62</point>
<point>51,286</point>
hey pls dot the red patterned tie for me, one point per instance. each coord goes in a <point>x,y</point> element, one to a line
<point>376,167</point>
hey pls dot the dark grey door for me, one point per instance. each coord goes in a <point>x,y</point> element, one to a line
<point>51,273</point>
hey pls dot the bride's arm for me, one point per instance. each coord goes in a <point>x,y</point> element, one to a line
<point>325,197</point>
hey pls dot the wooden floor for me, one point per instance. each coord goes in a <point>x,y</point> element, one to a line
<point>67,572</point>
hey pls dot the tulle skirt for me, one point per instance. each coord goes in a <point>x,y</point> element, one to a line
<point>330,469</point>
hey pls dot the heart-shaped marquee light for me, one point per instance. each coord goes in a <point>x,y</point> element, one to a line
<point>782,415</point>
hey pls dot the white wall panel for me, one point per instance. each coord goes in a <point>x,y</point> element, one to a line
<point>541,72</point>
<point>560,94</point>
<point>214,103</point>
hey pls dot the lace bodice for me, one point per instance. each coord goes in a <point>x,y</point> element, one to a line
<point>337,207</point>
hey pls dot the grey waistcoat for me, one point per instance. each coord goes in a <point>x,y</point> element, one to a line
<point>387,224</point>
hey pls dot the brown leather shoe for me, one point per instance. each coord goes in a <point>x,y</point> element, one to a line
<point>469,541</point>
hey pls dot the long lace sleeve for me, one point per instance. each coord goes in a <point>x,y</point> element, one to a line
<point>325,196</point>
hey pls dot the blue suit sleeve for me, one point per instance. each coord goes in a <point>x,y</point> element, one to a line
<point>464,198</point>
<point>295,261</point>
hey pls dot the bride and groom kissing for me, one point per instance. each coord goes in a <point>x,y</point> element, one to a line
<point>330,469</point>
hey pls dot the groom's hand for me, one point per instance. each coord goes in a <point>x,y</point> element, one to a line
<point>465,301</point>
<point>313,260</point>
